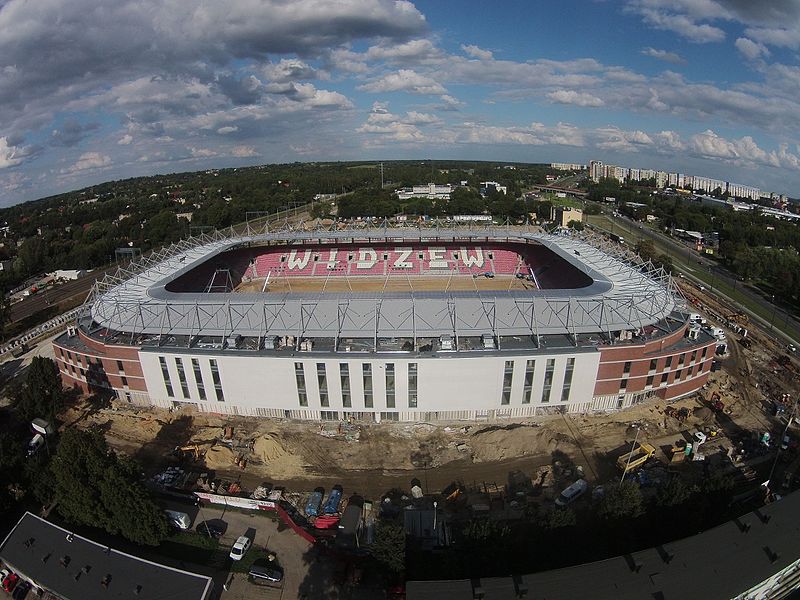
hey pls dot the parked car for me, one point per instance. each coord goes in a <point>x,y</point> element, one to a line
<point>240,547</point>
<point>332,503</point>
<point>264,571</point>
<point>572,493</point>
<point>8,580</point>
<point>21,591</point>
<point>179,520</point>
<point>213,529</point>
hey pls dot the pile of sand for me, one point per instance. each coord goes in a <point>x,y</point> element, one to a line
<point>268,448</point>
<point>501,443</point>
<point>219,457</point>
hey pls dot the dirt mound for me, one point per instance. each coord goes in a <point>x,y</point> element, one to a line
<point>703,415</point>
<point>501,443</point>
<point>268,448</point>
<point>219,457</point>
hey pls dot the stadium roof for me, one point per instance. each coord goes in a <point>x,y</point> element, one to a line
<point>77,567</point>
<point>623,295</point>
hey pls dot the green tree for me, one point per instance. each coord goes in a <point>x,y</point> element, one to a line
<point>41,395</point>
<point>557,517</point>
<point>621,502</point>
<point>389,546</point>
<point>646,249</point>
<point>577,225</point>
<point>674,493</point>
<point>95,487</point>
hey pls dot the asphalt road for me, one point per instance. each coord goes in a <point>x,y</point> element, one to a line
<point>679,251</point>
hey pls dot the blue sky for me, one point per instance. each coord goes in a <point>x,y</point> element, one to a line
<point>90,93</point>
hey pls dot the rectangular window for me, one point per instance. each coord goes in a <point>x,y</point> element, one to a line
<point>217,380</point>
<point>390,416</point>
<point>165,374</point>
<point>681,360</point>
<point>367,373</point>
<point>649,381</point>
<point>329,415</point>
<point>344,377</point>
<point>322,380</point>
<point>627,368</point>
<point>182,377</point>
<point>530,368</point>
<point>300,377</point>
<point>664,378</point>
<point>548,379</point>
<point>567,379</point>
<point>412,385</point>
<point>120,366</point>
<point>389,385</point>
<point>508,378</point>
<point>694,356</point>
<point>198,379</point>
<point>705,352</point>
<point>69,355</point>
<point>623,385</point>
<point>668,363</point>
<point>124,381</point>
<point>678,375</point>
<point>653,363</point>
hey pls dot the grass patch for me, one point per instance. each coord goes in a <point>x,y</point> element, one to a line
<point>190,547</point>
<point>243,566</point>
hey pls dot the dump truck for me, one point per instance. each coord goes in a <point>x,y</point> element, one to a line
<point>631,461</point>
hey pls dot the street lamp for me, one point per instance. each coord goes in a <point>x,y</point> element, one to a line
<point>774,309</point>
<point>630,456</point>
<point>435,504</point>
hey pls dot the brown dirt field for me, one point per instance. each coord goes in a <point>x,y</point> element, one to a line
<point>392,283</point>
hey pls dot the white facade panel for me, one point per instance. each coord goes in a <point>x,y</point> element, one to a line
<point>446,384</point>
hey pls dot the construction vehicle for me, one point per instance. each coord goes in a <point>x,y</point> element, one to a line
<point>716,403</point>
<point>631,461</point>
<point>192,451</point>
<point>681,414</point>
<point>739,317</point>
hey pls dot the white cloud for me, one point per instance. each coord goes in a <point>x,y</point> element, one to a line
<point>404,80</point>
<point>683,17</point>
<point>288,69</point>
<point>576,98</point>
<point>477,52</point>
<point>664,55</point>
<point>125,140</point>
<point>88,161</point>
<point>202,152</point>
<point>411,52</point>
<point>225,130</point>
<point>751,49</point>
<point>9,155</point>
<point>244,152</point>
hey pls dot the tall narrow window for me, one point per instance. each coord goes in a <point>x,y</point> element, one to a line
<point>653,363</point>
<point>567,379</point>
<point>182,377</point>
<point>508,378</point>
<point>668,363</point>
<point>217,380</point>
<point>412,385</point>
<point>548,379</point>
<point>389,385</point>
<point>627,368</point>
<point>120,366</point>
<point>322,380</point>
<point>165,375</point>
<point>367,372</point>
<point>198,379</point>
<point>530,368</point>
<point>300,377</point>
<point>344,377</point>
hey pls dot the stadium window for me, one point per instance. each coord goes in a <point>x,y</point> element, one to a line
<point>217,380</point>
<point>653,364</point>
<point>705,352</point>
<point>165,375</point>
<point>124,381</point>
<point>344,377</point>
<point>421,256</point>
<point>367,375</point>
<point>548,379</point>
<point>694,357</point>
<point>322,380</point>
<point>681,360</point>
<point>300,378</point>
<point>198,379</point>
<point>182,377</point>
<point>508,378</point>
<point>627,368</point>
<point>568,379</point>
<point>664,378</point>
<point>412,385</point>
<point>490,255</point>
<point>69,355</point>
<point>530,368</point>
<point>385,256</point>
<point>389,385</point>
<point>623,385</point>
<point>678,375</point>
<point>649,382</point>
<point>390,416</point>
<point>120,366</point>
<point>455,255</point>
<point>668,364</point>
<point>329,415</point>
<point>316,258</point>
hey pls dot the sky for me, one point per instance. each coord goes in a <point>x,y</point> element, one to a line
<point>92,91</point>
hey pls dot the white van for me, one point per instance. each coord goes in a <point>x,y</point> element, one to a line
<point>572,493</point>
<point>179,520</point>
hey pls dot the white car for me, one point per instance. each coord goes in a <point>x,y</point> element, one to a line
<point>240,547</point>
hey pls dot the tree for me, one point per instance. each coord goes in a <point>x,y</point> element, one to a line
<point>389,546</point>
<point>577,225</point>
<point>557,517</point>
<point>95,487</point>
<point>646,249</point>
<point>674,493</point>
<point>621,502</point>
<point>41,395</point>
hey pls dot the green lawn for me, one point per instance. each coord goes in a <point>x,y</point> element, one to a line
<point>191,547</point>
